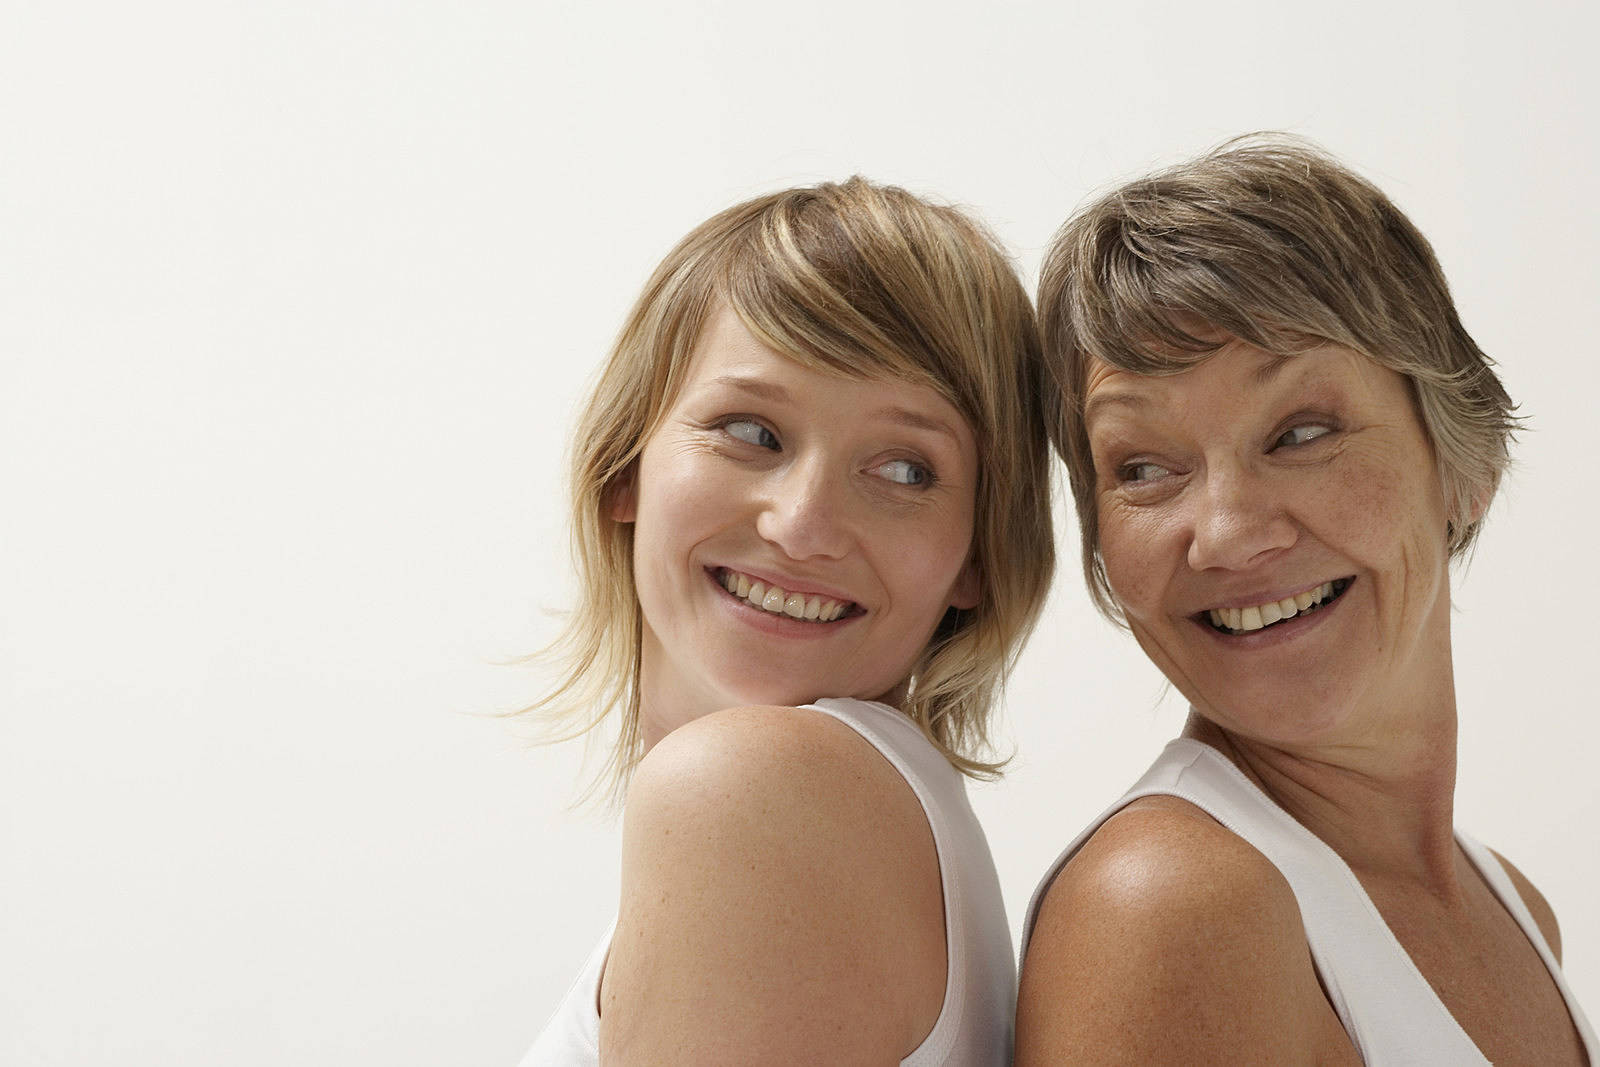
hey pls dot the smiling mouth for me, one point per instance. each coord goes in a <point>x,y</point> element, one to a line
<point>1260,616</point>
<point>776,601</point>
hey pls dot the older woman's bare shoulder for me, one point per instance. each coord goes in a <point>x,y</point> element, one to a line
<point>1164,865</point>
<point>1168,938</point>
<point>1544,915</point>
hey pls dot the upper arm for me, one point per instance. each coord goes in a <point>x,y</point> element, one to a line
<point>1168,939</point>
<point>1543,915</point>
<point>780,898</point>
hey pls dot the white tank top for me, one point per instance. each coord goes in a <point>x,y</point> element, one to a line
<point>975,1025</point>
<point>1387,1007</point>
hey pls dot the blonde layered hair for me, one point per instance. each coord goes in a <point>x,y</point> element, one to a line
<point>1270,240</point>
<point>854,279</point>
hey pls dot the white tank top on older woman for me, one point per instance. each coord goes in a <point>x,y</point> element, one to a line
<point>1387,1007</point>
<point>976,1023</point>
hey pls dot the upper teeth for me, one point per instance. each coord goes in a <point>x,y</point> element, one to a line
<point>1259,615</point>
<point>778,602</point>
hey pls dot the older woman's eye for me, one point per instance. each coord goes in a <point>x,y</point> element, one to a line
<point>904,472</point>
<point>1301,435</point>
<point>1142,472</point>
<point>751,433</point>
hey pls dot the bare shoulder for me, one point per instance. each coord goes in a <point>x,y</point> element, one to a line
<point>780,897</point>
<point>1168,939</point>
<point>750,744</point>
<point>1543,914</point>
<point>793,775</point>
<point>1162,869</point>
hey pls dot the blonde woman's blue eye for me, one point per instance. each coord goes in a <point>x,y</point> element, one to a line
<point>1302,435</point>
<point>751,433</point>
<point>905,472</point>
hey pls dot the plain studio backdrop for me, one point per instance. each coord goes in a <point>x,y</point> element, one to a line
<point>296,301</point>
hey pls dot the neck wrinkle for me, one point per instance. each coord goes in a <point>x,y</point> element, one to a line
<point>1388,810</point>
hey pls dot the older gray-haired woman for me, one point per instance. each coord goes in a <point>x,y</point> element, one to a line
<point>1279,435</point>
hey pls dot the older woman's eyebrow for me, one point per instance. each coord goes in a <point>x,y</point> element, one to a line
<point>1268,372</point>
<point>1102,400</point>
<point>1271,367</point>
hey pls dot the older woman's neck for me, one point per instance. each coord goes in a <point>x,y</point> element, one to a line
<point>1386,806</point>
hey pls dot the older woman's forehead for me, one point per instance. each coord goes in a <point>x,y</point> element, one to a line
<point>1252,370</point>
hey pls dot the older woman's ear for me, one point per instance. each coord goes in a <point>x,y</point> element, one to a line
<point>1466,509</point>
<point>1477,507</point>
<point>1480,504</point>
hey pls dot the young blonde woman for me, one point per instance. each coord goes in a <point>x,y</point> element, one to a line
<point>812,528</point>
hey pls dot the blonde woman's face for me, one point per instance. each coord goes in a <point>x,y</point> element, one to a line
<point>797,535</point>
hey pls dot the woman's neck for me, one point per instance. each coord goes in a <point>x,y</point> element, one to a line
<point>1385,805</point>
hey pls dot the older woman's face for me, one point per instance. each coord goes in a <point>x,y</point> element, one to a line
<point>1275,533</point>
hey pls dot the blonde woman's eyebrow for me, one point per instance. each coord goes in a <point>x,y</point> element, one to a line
<point>917,420</point>
<point>756,387</point>
<point>762,389</point>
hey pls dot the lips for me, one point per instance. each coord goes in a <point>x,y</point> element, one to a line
<point>808,607</point>
<point>1260,616</point>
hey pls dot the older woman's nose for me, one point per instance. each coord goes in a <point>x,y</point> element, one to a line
<point>803,512</point>
<point>1237,522</point>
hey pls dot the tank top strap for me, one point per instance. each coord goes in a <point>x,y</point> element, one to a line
<point>1387,1007</point>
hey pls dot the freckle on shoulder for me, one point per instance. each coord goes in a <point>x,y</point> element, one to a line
<point>769,734</point>
<point>782,754</point>
<point>1544,915</point>
<point>1162,868</point>
<point>1167,939</point>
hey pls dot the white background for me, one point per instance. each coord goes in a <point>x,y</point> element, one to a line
<point>296,300</point>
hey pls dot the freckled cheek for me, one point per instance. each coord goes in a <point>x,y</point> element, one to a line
<point>922,559</point>
<point>1137,557</point>
<point>928,563</point>
<point>1137,594</point>
<point>682,492</point>
<point>1372,508</point>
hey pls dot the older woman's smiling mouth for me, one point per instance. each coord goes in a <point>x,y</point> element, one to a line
<point>1259,616</point>
<point>776,601</point>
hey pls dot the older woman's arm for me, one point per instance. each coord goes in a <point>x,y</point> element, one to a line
<point>781,901</point>
<point>1169,940</point>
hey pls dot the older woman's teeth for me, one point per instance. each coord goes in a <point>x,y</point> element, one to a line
<point>777,601</point>
<point>1257,616</point>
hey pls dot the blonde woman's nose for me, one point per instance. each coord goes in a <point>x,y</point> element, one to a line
<point>804,511</point>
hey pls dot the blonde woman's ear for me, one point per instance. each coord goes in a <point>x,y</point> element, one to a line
<point>968,589</point>
<point>624,495</point>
